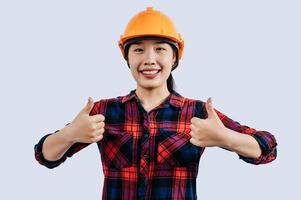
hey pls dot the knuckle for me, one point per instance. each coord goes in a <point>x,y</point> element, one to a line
<point>199,143</point>
<point>102,117</point>
<point>102,124</point>
<point>194,141</point>
<point>195,121</point>
<point>98,138</point>
<point>94,138</point>
<point>192,133</point>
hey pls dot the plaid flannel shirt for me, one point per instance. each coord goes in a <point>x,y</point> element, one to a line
<point>147,155</point>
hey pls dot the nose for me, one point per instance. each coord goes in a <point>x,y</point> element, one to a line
<point>150,57</point>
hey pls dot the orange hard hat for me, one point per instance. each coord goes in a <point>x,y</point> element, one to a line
<point>151,23</point>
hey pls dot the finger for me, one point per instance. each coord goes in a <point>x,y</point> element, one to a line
<point>195,120</point>
<point>193,134</point>
<point>100,131</point>
<point>97,133</point>
<point>88,107</point>
<point>193,127</point>
<point>209,108</point>
<point>194,142</point>
<point>97,138</point>
<point>101,125</point>
<point>98,118</point>
<point>98,125</point>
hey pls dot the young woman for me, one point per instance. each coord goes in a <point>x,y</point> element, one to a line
<point>151,140</point>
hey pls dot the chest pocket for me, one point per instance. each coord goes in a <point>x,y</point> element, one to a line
<point>117,148</point>
<point>175,149</point>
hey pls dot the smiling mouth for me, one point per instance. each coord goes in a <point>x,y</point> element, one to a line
<point>150,71</point>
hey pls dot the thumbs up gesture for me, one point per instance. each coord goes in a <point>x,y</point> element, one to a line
<point>85,128</point>
<point>207,132</point>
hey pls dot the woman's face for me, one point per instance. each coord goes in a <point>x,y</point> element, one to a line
<point>151,62</point>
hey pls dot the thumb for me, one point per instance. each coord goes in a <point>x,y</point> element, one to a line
<point>209,107</point>
<point>88,107</point>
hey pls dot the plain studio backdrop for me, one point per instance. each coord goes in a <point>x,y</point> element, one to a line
<point>246,55</point>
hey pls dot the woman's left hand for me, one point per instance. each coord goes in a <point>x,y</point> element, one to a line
<point>208,132</point>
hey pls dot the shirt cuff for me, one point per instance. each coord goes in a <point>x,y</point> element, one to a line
<point>267,144</point>
<point>40,157</point>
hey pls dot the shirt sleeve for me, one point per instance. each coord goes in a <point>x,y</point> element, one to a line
<point>69,153</point>
<point>266,140</point>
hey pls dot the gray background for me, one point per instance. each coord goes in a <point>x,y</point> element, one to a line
<point>54,54</point>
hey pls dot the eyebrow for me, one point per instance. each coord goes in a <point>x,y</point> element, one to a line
<point>158,42</point>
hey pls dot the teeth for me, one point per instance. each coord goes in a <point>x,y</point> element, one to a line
<point>150,72</point>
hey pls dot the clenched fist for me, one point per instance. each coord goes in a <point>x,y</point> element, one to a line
<point>85,128</point>
<point>207,132</point>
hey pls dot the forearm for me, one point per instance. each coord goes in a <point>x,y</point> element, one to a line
<point>56,145</point>
<point>242,144</point>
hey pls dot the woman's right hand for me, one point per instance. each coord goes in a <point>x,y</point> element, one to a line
<point>85,128</point>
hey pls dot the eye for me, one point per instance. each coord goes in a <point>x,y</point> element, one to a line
<point>138,50</point>
<point>160,49</point>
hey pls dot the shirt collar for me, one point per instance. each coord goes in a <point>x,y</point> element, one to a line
<point>174,99</point>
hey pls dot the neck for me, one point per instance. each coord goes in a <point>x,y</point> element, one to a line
<point>151,98</point>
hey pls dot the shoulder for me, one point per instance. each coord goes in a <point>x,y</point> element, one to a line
<point>197,107</point>
<point>103,104</point>
<point>193,102</point>
<point>197,104</point>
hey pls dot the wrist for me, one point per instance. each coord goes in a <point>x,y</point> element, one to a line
<point>67,134</point>
<point>227,141</point>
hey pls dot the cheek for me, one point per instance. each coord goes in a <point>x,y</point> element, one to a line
<point>167,60</point>
<point>134,72</point>
<point>167,64</point>
<point>133,68</point>
<point>166,73</point>
<point>133,62</point>
<point>130,62</point>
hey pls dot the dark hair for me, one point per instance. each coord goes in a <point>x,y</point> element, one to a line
<point>170,81</point>
<point>171,85</point>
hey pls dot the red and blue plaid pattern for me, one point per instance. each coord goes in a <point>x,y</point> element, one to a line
<point>148,155</point>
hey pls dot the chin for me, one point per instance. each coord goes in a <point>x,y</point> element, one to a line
<point>149,86</point>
